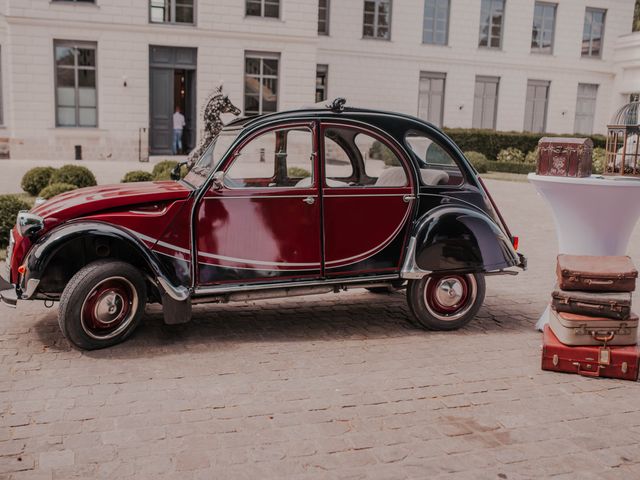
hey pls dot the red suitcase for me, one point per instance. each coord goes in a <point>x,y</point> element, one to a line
<point>610,362</point>
<point>564,157</point>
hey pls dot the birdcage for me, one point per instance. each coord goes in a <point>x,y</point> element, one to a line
<point>623,142</point>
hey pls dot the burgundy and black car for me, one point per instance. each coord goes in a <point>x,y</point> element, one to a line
<point>292,203</point>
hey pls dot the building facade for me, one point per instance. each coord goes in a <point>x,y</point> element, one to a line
<point>101,79</point>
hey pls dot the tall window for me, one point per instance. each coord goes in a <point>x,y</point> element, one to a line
<point>76,94</point>
<point>322,72</point>
<point>544,22</point>
<point>323,17</point>
<point>491,23</point>
<point>431,97</point>
<point>171,11</point>
<point>435,25</point>
<point>485,102</point>
<point>593,32</point>
<point>585,108</point>
<point>260,83</point>
<point>263,8</point>
<point>535,112</point>
<point>377,19</point>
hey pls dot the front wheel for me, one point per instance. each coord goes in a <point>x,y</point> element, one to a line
<point>446,301</point>
<point>102,304</point>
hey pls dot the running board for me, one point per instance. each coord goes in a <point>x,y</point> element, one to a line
<point>247,287</point>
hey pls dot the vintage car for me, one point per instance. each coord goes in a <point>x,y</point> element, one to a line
<point>293,203</point>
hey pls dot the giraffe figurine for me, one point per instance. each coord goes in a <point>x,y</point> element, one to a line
<point>216,104</point>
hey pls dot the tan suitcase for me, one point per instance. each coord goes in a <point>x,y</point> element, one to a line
<point>596,274</point>
<point>580,330</point>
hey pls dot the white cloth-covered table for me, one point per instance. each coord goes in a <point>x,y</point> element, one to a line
<point>593,215</point>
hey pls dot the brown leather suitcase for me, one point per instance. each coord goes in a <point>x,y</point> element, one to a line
<point>564,157</point>
<point>615,305</point>
<point>611,362</point>
<point>596,273</point>
<point>576,330</point>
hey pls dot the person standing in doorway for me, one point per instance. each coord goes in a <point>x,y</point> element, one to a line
<point>178,127</point>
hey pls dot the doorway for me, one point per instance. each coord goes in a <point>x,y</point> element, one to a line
<point>172,83</point>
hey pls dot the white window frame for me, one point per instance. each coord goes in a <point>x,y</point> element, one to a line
<point>586,98</point>
<point>262,56</point>
<point>263,3</point>
<point>546,7</point>
<point>375,26</point>
<point>327,13</point>
<point>434,22</point>
<point>591,10</point>
<point>530,106</point>
<point>433,76</point>
<point>484,100</point>
<point>75,44</point>
<point>172,13</point>
<point>489,25</point>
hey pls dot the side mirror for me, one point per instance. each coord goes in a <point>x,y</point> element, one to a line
<point>218,181</point>
<point>175,172</point>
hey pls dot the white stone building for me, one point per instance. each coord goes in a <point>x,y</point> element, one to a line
<point>105,75</point>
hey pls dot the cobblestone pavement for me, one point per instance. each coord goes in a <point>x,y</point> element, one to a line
<point>335,386</point>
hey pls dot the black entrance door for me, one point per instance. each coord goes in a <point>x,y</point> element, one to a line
<point>172,82</point>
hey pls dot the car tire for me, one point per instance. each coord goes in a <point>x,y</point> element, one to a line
<point>446,301</point>
<point>102,304</point>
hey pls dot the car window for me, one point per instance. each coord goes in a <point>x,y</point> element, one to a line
<point>278,158</point>
<point>364,159</point>
<point>437,166</point>
<point>211,157</point>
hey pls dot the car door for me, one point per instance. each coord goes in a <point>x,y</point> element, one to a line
<point>263,222</point>
<point>368,196</point>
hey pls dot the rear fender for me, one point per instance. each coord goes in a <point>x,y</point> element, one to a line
<point>458,239</point>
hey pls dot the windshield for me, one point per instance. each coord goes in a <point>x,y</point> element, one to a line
<point>211,157</point>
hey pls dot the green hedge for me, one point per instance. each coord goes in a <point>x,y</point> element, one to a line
<point>137,176</point>
<point>511,167</point>
<point>74,175</point>
<point>490,142</point>
<point>10,205</point>
<point>56,189</point>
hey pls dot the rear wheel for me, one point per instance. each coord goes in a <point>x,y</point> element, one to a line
<point>446,301</point>
<point>102,304</point>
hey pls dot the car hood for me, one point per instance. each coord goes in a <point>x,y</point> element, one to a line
<point>86,201</point>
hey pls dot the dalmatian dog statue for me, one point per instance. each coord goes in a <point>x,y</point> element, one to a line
<point>216,104</point>
<point>631,150</point>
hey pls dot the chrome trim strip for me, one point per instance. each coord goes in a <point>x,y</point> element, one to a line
<point>249,197</point>
<point>204,291</point>
<point>257,262</point>
<point>347,195</point>
<point>179,294</point>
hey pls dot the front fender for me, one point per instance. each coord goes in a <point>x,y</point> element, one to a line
<point>457,238</point>
<point>49,244</point>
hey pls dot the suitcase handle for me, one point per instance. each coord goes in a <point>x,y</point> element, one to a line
<point>602,336</point>
<point>590,305</point>
<point>591,281</point>
<point>587,373</point>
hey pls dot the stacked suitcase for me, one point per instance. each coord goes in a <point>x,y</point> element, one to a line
<point>592,330</point>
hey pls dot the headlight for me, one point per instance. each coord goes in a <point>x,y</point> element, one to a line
<point>29,224</point>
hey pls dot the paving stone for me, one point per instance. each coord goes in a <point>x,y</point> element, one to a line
<point>333,386</point>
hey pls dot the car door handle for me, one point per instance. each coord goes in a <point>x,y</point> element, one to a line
<point>408,198</point>
<point>309,200</point>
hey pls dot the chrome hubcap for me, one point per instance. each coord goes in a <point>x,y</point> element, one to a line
<point>108,307</point>
<point>449,292</point>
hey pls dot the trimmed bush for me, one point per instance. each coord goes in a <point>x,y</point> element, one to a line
<point>56,189</point>
<point>36,179</point>
<point>490,142</point>
<point>509,167</point>
<point>137,176</point>
<point>297,172</point>
<point>160,167</point>
<point>599,156</point>
<point>74,175</point>
<point>478,160</point>
<point>10,205</point>
<point>510,155</point>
